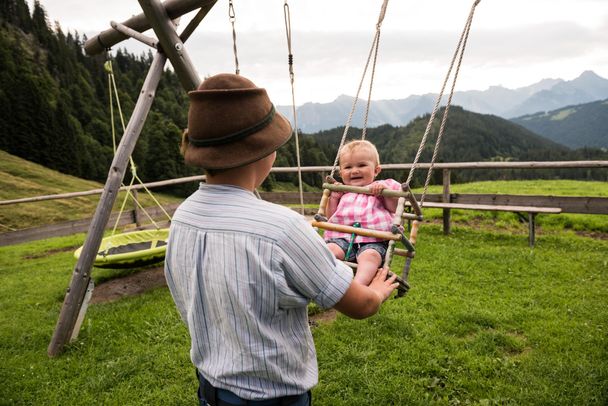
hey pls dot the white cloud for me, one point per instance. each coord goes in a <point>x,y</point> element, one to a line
<point>513,43</point>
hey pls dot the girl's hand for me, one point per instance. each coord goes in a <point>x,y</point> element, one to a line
<point>376,188</point>
<point>336,195</point>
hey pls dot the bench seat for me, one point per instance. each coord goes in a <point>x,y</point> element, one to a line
<point>531,210</point>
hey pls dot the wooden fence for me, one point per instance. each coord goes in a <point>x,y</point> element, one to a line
<point>445,200</point>
<point>568,204</point>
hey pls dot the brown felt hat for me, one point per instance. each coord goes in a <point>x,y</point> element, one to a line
<point>231,123</point>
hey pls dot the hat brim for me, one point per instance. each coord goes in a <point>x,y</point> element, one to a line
<point>250,149</point>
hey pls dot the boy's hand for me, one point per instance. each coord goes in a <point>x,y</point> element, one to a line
<point>376,188</point>
<point>362,301</point>
<point>383,286</point>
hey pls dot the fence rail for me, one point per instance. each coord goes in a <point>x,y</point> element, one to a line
<point>322,169</point>
<point>128,218</point>
<point>567,204</point>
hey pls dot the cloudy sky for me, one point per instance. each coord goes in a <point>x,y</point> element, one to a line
<point>512,43</point>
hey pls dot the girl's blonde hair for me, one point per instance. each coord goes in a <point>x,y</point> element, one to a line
<point>352,145</point>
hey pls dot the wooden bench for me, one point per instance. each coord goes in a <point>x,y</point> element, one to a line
<point>531,210</point>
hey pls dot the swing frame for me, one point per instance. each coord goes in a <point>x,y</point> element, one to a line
<point>158,16</point>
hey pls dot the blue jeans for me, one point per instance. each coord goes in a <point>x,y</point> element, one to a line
<point>225,397</point>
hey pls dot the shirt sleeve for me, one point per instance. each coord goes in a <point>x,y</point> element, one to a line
<point>176,293</point>
<point>391,184</point>
<point>310,269</point>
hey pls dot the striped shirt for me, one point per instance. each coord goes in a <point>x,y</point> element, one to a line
<point>368,210</point>
<point>241,272</point>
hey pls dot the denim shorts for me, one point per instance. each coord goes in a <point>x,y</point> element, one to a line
<point>358,248</point>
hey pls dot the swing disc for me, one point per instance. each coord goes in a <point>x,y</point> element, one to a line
<point>131,250</point>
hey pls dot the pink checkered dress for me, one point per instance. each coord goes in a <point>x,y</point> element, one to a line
<point>368,210</point>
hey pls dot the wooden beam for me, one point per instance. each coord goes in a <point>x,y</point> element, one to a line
<point>470,165</point>
<point>172,45</point>
<point>568,204</point>
<point>490,207</point>
<point>81,275</point>
<point>384,235</point>
<point>71,195</point>
<point>364,190</point>
<point>174,8</point>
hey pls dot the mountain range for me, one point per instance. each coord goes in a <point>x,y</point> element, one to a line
<point>577,126</point>
<point>545,95</point>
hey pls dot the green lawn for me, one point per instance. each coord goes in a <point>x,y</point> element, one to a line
<point>487,321</point>
<point>560,187</point>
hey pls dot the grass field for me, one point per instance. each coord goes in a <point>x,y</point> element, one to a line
<point>488,322</point>
<point>20,178</point>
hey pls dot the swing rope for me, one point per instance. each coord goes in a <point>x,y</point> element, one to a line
<point>376,46</point>
<point>287,17</point>
<point>232,19</point>
<point>113,93</point>
<point>372,57</point>
<point>458,55</point>
<point>400,215</point>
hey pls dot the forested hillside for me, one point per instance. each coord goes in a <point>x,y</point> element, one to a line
<point>55,111</point>
<point>468,137</point>
<point>574,126</point>
<point>55,108</point>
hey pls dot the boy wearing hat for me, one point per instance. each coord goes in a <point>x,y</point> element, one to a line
<point>242,270</point>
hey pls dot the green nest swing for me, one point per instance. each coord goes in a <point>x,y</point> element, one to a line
<point>137,248</point>
<point>131,250</point>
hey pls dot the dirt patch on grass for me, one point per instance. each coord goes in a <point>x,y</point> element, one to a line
<point>148,279</point>
<point>130,285</point>
<point>51,252</point>
<point>596,235</point>
<point>324,317</point>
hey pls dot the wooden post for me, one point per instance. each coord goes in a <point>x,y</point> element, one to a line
<point>81,276</point>
<point>531,228</point>
<point>446,199</point>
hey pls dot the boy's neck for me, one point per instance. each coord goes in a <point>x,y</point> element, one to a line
<point>232,177</point>
<point>247,177</point>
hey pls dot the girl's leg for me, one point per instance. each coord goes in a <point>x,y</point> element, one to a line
<point>336,250</point>
<point>368,263</point>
